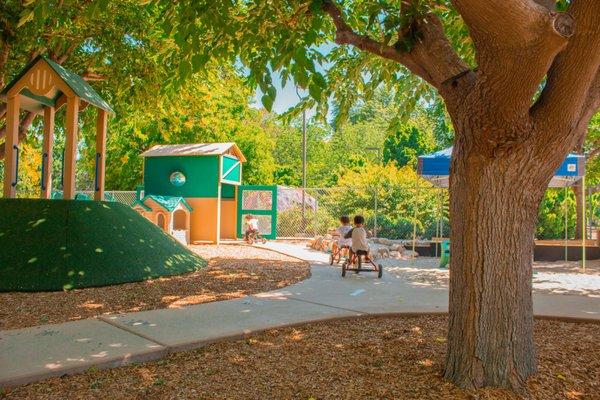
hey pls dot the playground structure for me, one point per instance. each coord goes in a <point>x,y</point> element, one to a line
<point>44,86</point>
<point>202,178</point>
<point>58,242</point>
<point>171,214</point>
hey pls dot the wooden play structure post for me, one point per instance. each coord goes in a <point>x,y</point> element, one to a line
<point>219,199</point>
<point>71,127</point>
<point>100,154</point>
<point>11,144</point>
<point>43,87</point>
<point>49,113</point>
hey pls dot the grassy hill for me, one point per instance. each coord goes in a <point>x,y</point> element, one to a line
<point>48,245</point>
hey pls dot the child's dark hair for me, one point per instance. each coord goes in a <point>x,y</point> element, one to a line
<point>359,219</point>
<point>344,219</point>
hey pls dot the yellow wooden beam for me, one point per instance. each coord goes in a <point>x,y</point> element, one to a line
<point>46,191</point>
<point>101,123</point>
<point>70,161</point>
<point>10,144</point>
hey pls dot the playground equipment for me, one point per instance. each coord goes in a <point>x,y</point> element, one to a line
<point>44,86</point>
<point>356,261</point>
<point>337,252</point>
<point>202,178</point>
<point>172,214</point>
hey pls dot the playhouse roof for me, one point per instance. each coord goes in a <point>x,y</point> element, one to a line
<point>194,149</point>
<point>169,203</point>
<point>79,86</point>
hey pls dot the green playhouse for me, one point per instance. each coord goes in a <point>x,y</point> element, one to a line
<point>194,192</point>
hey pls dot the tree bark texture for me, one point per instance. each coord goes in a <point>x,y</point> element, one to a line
<point>493,213</point>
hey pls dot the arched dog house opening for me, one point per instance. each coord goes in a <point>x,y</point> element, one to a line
<point>161,221</point>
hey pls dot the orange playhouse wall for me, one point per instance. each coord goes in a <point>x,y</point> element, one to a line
<point>203,219</point>
<point>228,218</point>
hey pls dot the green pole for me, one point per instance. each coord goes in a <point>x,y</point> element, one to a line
<point>566,225</point>
<point>414,241</point>
<point>583,225</point>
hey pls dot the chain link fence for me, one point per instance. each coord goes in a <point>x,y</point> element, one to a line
<point>124,197</point>
<point>390,211</point>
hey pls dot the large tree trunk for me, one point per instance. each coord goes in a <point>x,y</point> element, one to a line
<point>493,209</point>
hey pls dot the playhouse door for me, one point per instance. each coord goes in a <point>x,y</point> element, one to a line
<point>261,202</point>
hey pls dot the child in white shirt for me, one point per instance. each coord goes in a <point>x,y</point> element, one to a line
<point>358,234</point>
<point>340,233</point>
<point>252,228</point>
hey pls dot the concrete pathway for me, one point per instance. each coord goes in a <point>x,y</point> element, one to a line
<point>32,354</point>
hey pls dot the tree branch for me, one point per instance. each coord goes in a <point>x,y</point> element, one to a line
<point>436,54</point>
<point>576,70</point>
<point>512,22</point>
<point>4,52</point>
<point>344,34</point>
<point>506,32</point>
<point>431,57</point>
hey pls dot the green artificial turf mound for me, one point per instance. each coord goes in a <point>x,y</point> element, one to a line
<point>48,245</point>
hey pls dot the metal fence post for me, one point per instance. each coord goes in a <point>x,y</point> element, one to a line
<point>316,208</point>
<point>376,211</point>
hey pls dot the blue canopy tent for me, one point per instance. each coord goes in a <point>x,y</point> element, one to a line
<point>435,167</point>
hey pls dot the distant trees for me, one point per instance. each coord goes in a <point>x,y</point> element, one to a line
<point>404,144</point>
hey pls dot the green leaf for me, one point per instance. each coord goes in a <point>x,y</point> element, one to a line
<point>267,102</point>
<point>315,91</point>
<point>198,62</point>
<point>319,79</point>
<point>185,69</point>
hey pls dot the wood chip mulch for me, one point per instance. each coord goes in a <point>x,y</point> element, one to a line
<point>365,358</point>
<point>233,271</point>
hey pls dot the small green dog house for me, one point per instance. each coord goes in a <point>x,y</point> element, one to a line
<point>171,214</point>
<point>207,176</point>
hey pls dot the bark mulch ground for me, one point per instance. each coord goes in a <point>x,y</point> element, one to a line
<point>232,271</point>
<point>366,358</point>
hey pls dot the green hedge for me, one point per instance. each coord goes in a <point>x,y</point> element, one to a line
<point>48,245</point>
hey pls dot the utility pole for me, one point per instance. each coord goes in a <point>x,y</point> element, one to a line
<point>303,163</point>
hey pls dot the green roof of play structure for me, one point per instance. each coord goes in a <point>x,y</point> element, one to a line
<point>169,203</point>
<point>79,86</point>
<point>52,245</point>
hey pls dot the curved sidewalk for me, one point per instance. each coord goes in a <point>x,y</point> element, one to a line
<point>32,354</point>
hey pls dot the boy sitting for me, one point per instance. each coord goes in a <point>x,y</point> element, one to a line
<point>358,234</point>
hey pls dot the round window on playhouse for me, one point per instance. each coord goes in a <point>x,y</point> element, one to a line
<point>177,179</point>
